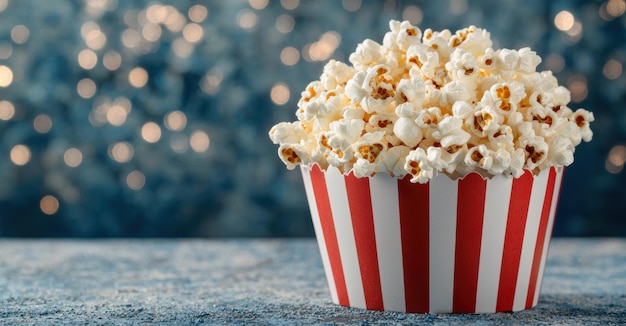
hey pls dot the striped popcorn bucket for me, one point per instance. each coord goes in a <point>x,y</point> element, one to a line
<point>462,246</point>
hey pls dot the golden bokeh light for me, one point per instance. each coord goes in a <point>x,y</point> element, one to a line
<point>247,19</point>
<point>258,4</point>
<point>578,88</point>
<point>121,152</point>
<point>612,69</point>
<point>285,23</point>
<point>616,8</point>
<point>86,88</point>
<point>87,59</point>
<point>138,77</point>
<point>49,205</point>
<point>19,34</point>
<point>135,180</point>
<point>156,13</point>
<point>280,94</point>
<point>564,20</point>
<point>6,49</point>
<point>151,132</point>
<point>175,121</point>
<point>193,32</point>
<point>20,154</point>
<point>199,141</point>
<point>6,76</point>
<point>7,110</point>
<point>73,157</point>
<point>96,40</point>
<point>615,160</point>
<point>289,56</point>
<point>197,13</point>
<point>112,60</point>
<point>413,14</point>
<point>182,48</point>
<point>116,115</point>
<point>131,38</point>
<point>42,123</point>
<point>151,32</point>
<point>290,4</point>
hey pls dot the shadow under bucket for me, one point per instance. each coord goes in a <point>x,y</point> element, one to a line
<point>449,246</point>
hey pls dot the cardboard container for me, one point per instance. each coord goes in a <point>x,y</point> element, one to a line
<point>449,246</point>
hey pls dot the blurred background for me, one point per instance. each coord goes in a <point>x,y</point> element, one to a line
<point>124,118</point>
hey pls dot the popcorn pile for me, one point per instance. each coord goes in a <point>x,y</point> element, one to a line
<point>434,102</point>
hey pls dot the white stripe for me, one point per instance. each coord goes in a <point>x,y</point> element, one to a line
<point>319,234</point>
<point>537,197</point>
<point>497,201</point>
<point>386,210</point>
<point>546,244</point>
<point>345,236</point>
<point>442,219</point>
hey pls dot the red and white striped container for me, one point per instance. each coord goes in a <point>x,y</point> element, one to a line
<point>464,246</point>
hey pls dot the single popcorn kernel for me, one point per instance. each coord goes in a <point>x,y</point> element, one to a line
<point>370,152</point>
<point>415,168</point>
<point>504,92</point>
<point>547,120</point>
<point>580,121</point>
<point>291,156</point>
<point>476,156</point>
<point>534,156</point>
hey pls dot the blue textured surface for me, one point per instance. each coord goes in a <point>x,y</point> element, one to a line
<point>263,282</point>
<point>222,83</point>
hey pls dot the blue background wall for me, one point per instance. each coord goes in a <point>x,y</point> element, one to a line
<point>133,118</point>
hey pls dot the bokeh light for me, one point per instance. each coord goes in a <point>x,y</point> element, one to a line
<point>615,161</point>
<point>121,152</point>
<point>612,69</point>
<point>285,23</point>
<point>199,141</point>
<point>175,121</point>
<point>20,154</point>
<point>49,204</point>
<point>289,56</point>
<point>73,157</point>
<point>197,13</point>
<point>151,132</point>
<point>7,110</point>
<point>42,123</point>
<point>280,94</point>
<point>258,4</point>
<point>6,76</point>
<point>19,34</point>
<point>86,88</point>
<point>138,77</point>
<point>564,20</point>
<point>87,59</point>
<point>136,180</point>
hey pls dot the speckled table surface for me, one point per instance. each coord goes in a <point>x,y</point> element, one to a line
<point>191,282</point>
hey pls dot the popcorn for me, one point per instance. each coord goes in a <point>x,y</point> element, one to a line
<point>420,104</point>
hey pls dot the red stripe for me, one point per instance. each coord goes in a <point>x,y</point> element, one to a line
<point>330,236</point>
<point>414,200</point>
<point>360,201</point>
<point>469,227</point>
<point>515,225</point>
<point>541,236</point>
